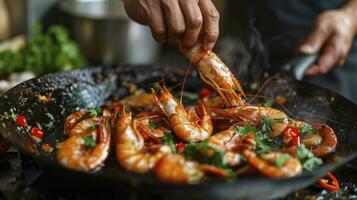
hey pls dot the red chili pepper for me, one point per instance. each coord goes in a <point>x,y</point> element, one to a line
<point>205,92</point>
<point>21,120</point>
<point>331,183</point>
<point>292,136</point>
<point>180,146</point>
<point>37,132</point>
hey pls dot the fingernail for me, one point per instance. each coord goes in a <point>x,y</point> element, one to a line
<point>307,48</point>
<point>209,45</point>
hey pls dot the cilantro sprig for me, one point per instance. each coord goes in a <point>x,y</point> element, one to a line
<point>204,153</point>
<point>90,141</point>
<point>307,159</point>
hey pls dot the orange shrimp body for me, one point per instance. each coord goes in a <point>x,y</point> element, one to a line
<point>83,125</point>
<point>176,169</point>
<point>143,121</point>
<point>72,120</point>
<point>329,140</point>
<point>130,149</point>
<point>180,121</point>
<point>139,102</point>
<point>217,75</point>
<point>265,165</point>
<point>253,115</point>
<point>74,154</point>
<point>322,143</point>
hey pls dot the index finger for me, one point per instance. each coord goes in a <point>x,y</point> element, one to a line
<point>210,23</point>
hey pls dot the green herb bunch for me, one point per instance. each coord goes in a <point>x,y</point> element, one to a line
<point>45,52</point>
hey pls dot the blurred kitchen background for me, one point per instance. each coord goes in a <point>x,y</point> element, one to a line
<point>100,28</point>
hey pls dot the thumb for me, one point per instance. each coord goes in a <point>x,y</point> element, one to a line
<point>314,41</point>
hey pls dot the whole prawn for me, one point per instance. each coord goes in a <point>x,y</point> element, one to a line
<point>266,166</point>
<point>180,121</point>
<point>217,75</point>
<point>176,169</point>
<point>130,149</point>
<point>322,143</point>
<point>253,115</point>
<point>75,154</point>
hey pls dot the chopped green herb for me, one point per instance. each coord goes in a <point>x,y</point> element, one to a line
<point>246,129</point>
<point>45,52</point>
<point>169,140</point>
<point>307,129</point>
<point>90,141</point>
<point>269,103</point>
<point>281,159</point>
<point>307,159</point>
<point>13,115</point>
<point>95,112</point>
<point>204,153</point>
<point>153,125</point>
<point>264,142</point>
<point>267,124</point>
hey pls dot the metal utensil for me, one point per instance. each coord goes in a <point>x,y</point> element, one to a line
<point>298,66</point>
<point>105,34</point>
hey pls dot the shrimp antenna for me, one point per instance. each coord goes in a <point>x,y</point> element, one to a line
<point>187,71</point>
<point>263,86</point>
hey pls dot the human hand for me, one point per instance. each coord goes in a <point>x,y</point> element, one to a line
<point>332,36</point>
<point>177,21</point>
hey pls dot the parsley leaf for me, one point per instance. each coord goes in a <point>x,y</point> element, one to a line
<point>269,103</point>
<point>90,141</point>
<point>169,140</point>
<point>307,159</point>
<point>267,124</point>
<point>153,125</point>
<point>281,159</point>
<point>204,153</point>
<point>246,129</point>
<point>307,129</point>
<point>95,112</point>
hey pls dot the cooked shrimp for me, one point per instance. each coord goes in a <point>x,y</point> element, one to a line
<point>72,120</point>
<point>150,126</point>
<point>176,169</point>
<point>322,143</point>
<point>329,140</point>
<point>130,149</point>
<point>83,125</point>
<point>266,165</point>
<point>253,115</point>
<point>180,121</point>
<point>139,102</point>
<point>75,153</point>
<point>217,75</point>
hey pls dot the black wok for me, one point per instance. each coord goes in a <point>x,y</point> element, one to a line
<point>93,87</point>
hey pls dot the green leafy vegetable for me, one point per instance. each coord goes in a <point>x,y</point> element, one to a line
<point>269,103</point>
<point>308,160</point>
<point>264,142</point>
<point>95,112</point>
<point>204,153</point>
<point>267,124</point>
<point>90,141</point>
<point>246,129</point>
<point>169,140</point>
<point>44,53</point>
<point>153,125</point>
<point>307,129</point>
<point>281,159</point>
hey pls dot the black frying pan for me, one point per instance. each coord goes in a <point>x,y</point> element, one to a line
<point>93,87</point>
